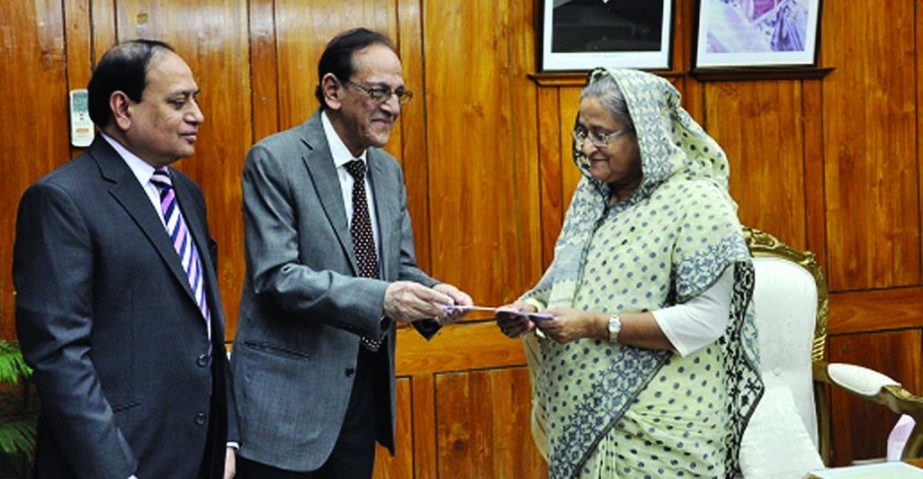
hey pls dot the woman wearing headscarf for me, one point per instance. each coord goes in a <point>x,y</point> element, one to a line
<point>649,365</point>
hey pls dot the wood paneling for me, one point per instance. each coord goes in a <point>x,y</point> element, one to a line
<point>765,152</point>
<point>424,421</point>
<point>35,133</point>
<point>470,345</point>
<point>475,236</point>
<point>400,465</point>
<point>302,31</point>
<point>263,73</point>
<point>876,310</point>
<point>812,102</point>
<point>413,155</point>
<point>860,428</point>
<point>78,42</point>
<point>872,183</point>
<point>483,425</point>
<point>552,197</point>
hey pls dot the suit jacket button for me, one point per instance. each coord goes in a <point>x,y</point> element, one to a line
<point>202,360</point>
<point>201,419</point>
<point>350,372</point>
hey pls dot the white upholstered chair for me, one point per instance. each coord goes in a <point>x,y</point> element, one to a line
<point>789,432</point>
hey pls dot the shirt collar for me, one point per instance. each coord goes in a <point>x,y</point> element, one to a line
<point>338,149</point>
<point>141,169</point>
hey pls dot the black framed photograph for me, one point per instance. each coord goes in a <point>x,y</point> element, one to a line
<point>757,33</point>
<point>581,35</point>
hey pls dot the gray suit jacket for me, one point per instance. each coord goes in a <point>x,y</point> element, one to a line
<point>105,315</point>
<point>303,306</point>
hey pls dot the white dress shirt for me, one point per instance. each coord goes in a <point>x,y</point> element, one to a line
<point>142,170</point>
<point>342,156</point>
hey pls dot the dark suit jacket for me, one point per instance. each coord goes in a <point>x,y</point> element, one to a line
<point>303,308</point>
<point>105,316</point>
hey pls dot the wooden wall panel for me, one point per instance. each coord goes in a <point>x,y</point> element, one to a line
<point>35,129</point>
<point>476,242</point>
<point>569,104</point>
<point>412,131</point>
<point>424,427</point>
<point>525,176</point>
<point>552,197</point>
<point>399,466</point>
<point>471,345</point>
<point>302,31</point>
<point>814,180</point>
<point>876,310</point>
<point>483,425</point>
<point>212,36</point>
<point>78,42</point>
<point>860,429</point>
<point>872,186</point>
<point>263,73</point>
<point>765,152</point>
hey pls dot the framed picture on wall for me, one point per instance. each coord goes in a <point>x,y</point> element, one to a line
<point>757,33</point>
<point>580,35</point>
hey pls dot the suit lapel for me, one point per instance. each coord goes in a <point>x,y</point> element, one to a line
<point>128,192</point>
<point>386,202</point>
<point>326,183</point>
<point>197,228</point>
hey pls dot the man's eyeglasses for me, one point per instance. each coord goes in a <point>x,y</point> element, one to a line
<point>382,94</point>
<point>597,139</point>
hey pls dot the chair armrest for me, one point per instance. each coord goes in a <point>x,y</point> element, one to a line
<point>880,389</point>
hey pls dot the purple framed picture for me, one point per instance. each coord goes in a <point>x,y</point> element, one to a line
<point>757,33</point>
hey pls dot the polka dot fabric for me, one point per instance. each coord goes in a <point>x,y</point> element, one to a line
<point>361,231</point>
<point>595,401</point>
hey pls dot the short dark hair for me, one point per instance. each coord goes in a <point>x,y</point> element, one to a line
<point>122,68</point>
<point>338,55</point>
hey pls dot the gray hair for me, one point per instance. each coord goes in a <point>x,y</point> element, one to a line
<point>606,90</point>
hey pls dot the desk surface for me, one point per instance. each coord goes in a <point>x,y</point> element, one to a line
<point>913,462</point>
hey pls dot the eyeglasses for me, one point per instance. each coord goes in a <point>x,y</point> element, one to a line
<point>596,139</point>
<point>382,94</point>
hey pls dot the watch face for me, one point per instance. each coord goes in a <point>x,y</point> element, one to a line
<point>615,325</point>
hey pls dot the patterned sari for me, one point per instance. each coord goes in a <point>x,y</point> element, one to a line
<point>608,410</point>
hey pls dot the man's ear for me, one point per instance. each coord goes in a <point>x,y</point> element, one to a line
<point>331,88</point>
<point>120,105</point>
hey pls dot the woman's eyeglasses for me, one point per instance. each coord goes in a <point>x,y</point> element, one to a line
<point>599,140</point>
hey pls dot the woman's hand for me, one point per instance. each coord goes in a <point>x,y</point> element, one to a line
<point>514,325</point>
<point>570,324</point>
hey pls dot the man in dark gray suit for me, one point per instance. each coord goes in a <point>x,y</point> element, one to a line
<point>117,305</point>
<point>331,269</point>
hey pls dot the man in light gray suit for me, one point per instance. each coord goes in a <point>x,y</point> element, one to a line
<point>331,269</point>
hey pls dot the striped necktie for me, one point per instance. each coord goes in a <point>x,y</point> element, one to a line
<point>360,229</point>
<point>182,242</point>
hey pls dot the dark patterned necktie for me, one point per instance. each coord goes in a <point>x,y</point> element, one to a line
<point>182,242</point>
<point>361,231</point>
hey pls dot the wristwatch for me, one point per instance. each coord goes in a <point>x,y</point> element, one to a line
<point>615,326</point>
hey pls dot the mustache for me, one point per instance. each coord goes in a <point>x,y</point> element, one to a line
<point>387,118</point>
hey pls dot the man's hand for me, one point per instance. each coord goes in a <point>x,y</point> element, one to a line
<point>459,298</point>
<point>230,463</point>
<point>409,301</point>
